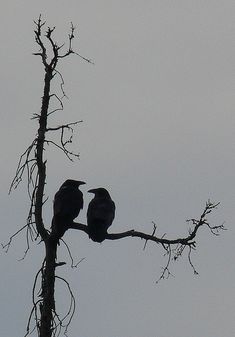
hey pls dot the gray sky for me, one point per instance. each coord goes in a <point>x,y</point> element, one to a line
<point>158,132</point>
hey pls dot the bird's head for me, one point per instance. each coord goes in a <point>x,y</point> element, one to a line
<point>99,192</point>
<point>72,183</point>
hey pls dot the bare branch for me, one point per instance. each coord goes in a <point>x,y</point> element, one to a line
<point>70,49</point>
<point>33,313</point>
<point>82,57</point>
<point>70,255</point>
<point>7,245</point>
<point>168,244</point>
<point>69,154</point>
<point>61,84</point>
<point>39,24</point>
<point>23,164</point>
<point>185,241</point>
<point>190,261</point>
<point>166,271</point>
<point>64,126</point>
<point>153,233</point>
<point>71,309</point>
<point>61,108</point>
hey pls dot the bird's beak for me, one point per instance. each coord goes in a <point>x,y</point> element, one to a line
<point>82,183</point>
<point>91,191</point>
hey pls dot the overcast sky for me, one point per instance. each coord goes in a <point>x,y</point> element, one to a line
<point>158,132</point>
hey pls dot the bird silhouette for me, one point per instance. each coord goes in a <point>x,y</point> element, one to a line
<point>68,202</point>
<point>100,214</point>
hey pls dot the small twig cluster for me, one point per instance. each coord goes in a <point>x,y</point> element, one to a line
<point>64,141</point>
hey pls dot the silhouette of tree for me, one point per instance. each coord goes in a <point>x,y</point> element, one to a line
<point>44,317</point>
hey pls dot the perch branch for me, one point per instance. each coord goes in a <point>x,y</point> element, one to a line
<point>174,248</point>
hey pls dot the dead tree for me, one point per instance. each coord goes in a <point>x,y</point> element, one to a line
<point>32,163</point>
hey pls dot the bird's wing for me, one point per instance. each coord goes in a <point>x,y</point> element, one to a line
<point>103,210</point>
<point>68,201</point>
<point>58,202</point>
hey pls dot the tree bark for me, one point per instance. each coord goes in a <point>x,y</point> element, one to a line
<point>48,290</point>
<point>48,274</point>
<point>39,155</point>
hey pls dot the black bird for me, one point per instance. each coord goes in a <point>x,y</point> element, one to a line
<point>100,214</point>
<point>68,202</point>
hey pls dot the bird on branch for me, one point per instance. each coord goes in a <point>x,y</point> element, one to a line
<point>68,202</point>
<point>100,214</point>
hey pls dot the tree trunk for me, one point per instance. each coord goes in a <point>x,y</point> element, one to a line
<point>48,290</point>
<point>48,273</point>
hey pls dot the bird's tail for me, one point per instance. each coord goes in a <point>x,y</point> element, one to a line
<point>97,234</point>
<point>58,227</point>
